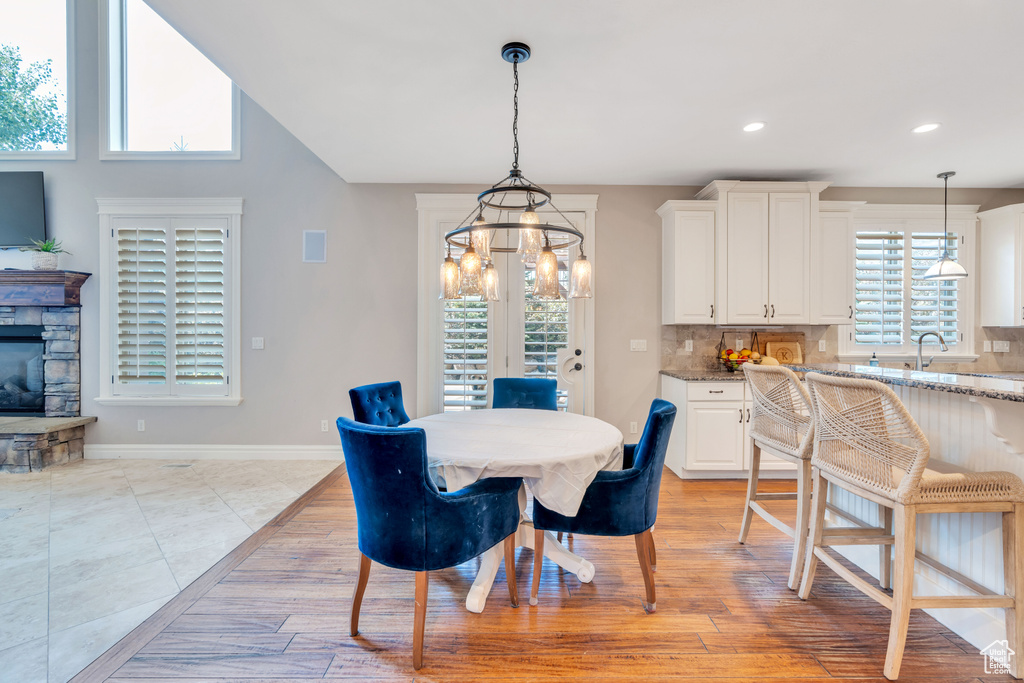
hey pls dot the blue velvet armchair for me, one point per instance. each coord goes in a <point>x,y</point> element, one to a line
<point>621,503</point>
<point>379,404</point>
<point>524,392</point>
<point>404,522</point>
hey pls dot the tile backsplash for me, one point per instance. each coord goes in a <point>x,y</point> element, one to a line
<point>706,338</point>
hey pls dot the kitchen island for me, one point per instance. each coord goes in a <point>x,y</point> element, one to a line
<point>973,422</point>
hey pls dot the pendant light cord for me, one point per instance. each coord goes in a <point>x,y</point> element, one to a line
<point>945,216</point>
<point>515,116</point>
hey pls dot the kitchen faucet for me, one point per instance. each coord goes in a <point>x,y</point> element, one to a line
<point>921,365</point>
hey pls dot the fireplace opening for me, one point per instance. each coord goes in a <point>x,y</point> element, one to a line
<point>22,390</point>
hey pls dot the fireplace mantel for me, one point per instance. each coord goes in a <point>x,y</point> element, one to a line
<point>41,287</point>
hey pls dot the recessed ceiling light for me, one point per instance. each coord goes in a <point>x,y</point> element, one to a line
<point>926,127</point>
<point>751,127</point>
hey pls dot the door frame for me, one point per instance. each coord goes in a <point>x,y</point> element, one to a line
<point>433,211</point>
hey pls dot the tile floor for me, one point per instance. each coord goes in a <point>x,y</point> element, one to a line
<point>91,549</point>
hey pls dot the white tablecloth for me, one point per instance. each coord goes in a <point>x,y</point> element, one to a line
<point>557,454</point>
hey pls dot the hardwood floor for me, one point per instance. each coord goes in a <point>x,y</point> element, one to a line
<point>277,609</point>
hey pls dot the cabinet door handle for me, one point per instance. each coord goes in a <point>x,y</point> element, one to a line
<point>741,415</point>
<point>748,414</point>
<point>851,312</point>
<point>773,310</point>
<point>712,311</point>
<point>766,310</point>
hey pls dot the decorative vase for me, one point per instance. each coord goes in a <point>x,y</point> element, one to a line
<point>44,260</point>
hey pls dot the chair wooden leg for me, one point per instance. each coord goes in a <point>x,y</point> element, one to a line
<point>510,568</point>
<point>651,551</point>
<point>357,597</point>
<point>820,497</point>
<point>1013,579</point>
<point>885,551</point>
<point>905,523</point>
<point>538,562</point>
<point>420,619</point>
<point>755,470</point>
<point>559,536</point>
<point>803,513</point>
<point>643,541</point>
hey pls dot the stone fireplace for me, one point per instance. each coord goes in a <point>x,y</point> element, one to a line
<point>40,369</point>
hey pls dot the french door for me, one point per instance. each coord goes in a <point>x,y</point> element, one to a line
<point>519,336</point>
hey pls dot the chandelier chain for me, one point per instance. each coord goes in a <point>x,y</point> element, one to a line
<point>515,115</point>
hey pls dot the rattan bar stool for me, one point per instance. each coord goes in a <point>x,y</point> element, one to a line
<point>866,442</point>
<point>780,425</point>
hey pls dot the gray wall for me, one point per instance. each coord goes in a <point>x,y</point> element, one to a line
<point>352,320</point>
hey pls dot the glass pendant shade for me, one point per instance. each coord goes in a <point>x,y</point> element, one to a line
<point>449,278</point>
<point>530,240</point>
<point>490,277</point>
<point>945,269</point>
<point>579,282</point>
<point>469,271</point>
<point>481,239</point>
<point>546,282</point>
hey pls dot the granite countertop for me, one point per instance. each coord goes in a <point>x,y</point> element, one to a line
<point>706,375</point>
<point>1005,387</point>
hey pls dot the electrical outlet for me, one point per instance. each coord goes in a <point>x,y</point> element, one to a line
<point>739,345</point>
<point>987,346</point>
<point>141,425</point>
<point>1001,346</point>
<point>821,345</point>
<point>688,346</point>
<point>325,425</point>
<point>637,344</point>
<point>257,343</point>
<point>632,427</point>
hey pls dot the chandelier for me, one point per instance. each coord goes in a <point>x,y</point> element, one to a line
<point>945,268</point>
<point>510,206</point>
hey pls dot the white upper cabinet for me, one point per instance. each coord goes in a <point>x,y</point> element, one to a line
<point>1002,266</point>
<point>789,251</point>
<point>832,264</point>
<point>687,262</point>
<point>747,258</point>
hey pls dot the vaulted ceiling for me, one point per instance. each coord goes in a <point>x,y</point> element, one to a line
<point>638,92</point>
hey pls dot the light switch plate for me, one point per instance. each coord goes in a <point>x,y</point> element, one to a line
<point>1001,346</point>
<point>637,344</point>
<point>632,427</point>
<point>257,343</point>
<point>688,346</point>
<point>987,346</point>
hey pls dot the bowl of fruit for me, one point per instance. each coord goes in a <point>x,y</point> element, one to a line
<point>732,360</point>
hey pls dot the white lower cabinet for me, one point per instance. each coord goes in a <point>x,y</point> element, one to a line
<point>711,432</point>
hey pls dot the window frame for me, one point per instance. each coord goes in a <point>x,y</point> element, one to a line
<point>55,154</point>
<point>109,209</point>
<point>910,218</point>
<point>112,99</point>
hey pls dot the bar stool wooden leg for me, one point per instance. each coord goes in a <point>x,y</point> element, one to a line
<point>817,527</point>
<point>1013,579</point>
<point>538,562</point>
<point>420,619</point>
<point>905,523</point>
<point>357,597</point>
<point>803,512</point>
<point>885,551</point>
<point>748,512</point>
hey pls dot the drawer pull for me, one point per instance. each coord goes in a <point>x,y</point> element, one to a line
<point>716,391</point>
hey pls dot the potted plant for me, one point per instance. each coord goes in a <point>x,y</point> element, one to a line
<point>44,253</point>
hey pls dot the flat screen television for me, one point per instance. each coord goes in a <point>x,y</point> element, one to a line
<point>22,215</point>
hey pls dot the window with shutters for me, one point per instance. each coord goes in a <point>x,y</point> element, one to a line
<point>546,327</point>
<point>465,354</point>
<point>170,302</point>
<point>894,305</point>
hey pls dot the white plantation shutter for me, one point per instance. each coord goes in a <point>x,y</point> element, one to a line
<point>142,306</point>
<point>546,328</point>
<point>878,312</point>
<point>933,303</point>
<point>465,354</point>
<point>199,301</point>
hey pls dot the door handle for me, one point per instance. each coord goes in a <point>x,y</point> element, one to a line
<point>851,312</point>
<point>741,415</point>
<point>766,310</point>
<point>578,352</point>
<point>773,310</point>
<point>577,367</point>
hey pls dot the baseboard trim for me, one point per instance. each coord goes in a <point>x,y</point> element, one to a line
<point>100,451</point>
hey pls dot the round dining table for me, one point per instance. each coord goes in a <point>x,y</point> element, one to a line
<point>556,453</point>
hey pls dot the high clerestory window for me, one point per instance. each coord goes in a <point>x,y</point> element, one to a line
<point>36,49</point>
<point>162,98</point>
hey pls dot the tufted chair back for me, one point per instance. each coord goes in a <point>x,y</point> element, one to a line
<point>522,392</point>
<point>379,404</point>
